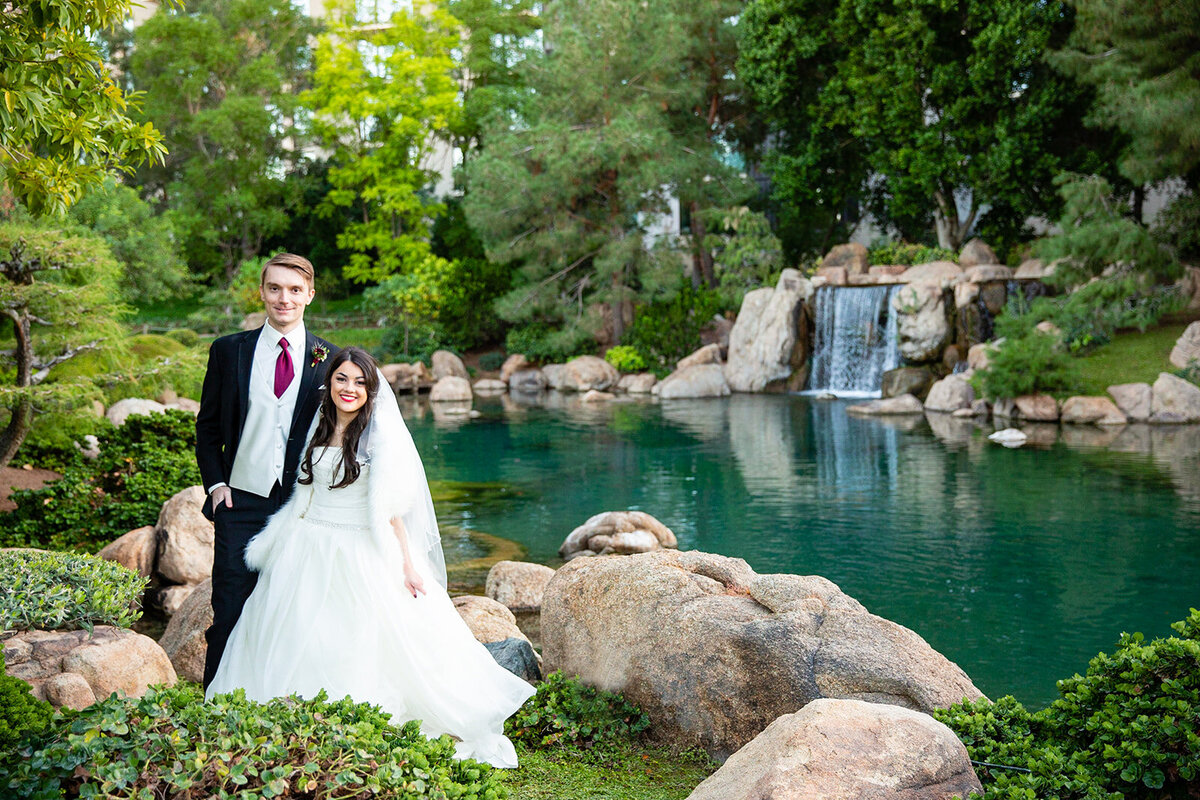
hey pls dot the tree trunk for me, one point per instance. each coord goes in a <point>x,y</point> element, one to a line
<point>707,270</point>
<point>22,411</point>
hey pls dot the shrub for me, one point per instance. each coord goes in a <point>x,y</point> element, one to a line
<point>185,336</point>
<point>625,358</point>
<point>1031,364</point>
<point>22,716</point>
<point>66,591</point>
<point>667,330</point>
<point>170,743</point>
<point>565,712</point>
<point>491,361</point>
<point>141,465</point>
<point>545,345</point>
<point>408,343</point>
<point>908,254</point>
<point>1129,729</point>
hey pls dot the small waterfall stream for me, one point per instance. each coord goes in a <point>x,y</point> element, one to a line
<point>856,340</point>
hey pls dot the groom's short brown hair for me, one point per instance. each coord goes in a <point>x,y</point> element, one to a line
<point>291,261</point>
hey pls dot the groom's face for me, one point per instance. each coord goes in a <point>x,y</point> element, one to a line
<point>285,293</point>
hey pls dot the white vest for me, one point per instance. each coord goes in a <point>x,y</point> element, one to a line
<point>258,464</point>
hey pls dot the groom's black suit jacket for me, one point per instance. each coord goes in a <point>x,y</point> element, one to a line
<point>225,401</point>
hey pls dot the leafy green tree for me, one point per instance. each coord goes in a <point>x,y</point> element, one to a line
<point>933,112</point>
<point>58,290</point>
<point>142,241</point>
<point>571,185</point>
<point>64,123</point>
<point>221,79</point>
<point>1144,61</point>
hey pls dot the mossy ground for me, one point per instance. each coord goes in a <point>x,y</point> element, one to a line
<point>630,772</point>
<point>1131,357</point>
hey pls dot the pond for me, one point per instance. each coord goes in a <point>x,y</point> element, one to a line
<point>1019,565</point>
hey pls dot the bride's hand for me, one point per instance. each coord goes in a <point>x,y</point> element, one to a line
<point>412,581</point>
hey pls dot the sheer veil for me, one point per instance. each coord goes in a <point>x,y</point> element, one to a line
<point>397,480</point>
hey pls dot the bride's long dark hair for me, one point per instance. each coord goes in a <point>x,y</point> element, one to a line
<point>327,419</point>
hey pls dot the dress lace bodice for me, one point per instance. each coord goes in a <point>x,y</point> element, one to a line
<point>339,508</point>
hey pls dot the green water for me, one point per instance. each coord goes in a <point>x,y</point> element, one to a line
<point>1019,565</point>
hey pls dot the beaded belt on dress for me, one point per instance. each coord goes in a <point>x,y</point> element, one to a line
<point>339,524</point>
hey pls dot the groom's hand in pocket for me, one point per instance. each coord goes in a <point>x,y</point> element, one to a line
<point>221,496</point>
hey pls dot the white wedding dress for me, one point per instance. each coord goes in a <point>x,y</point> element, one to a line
<point>330,612</point>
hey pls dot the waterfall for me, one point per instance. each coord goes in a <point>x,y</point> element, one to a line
<point>856,340</point>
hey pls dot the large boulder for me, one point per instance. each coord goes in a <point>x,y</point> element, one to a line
<point>1174,400</point>
<point>987,274</point>
<point>407,377</point>
<point>584,373</point>
<point>638,383</point>
<point>888,406</point>
<point>530,381</point>
<point>618,532</point>
<point>518,584</point>
<point>976,252</point>
<point>853,257</point>
<point>514,363</point>
<point>846,749</point>
<point>446,364</point>
<point>1037,407</point>
<point>488,620</point>
<point>950,394</point>
<point>708,354</point>
<point>518,657</point>
<point>765,344</point>
<point>489,386</point>
<point>921,321</point>
<point>1033,269</point>
<point>185,538</point>
<point>1186,351</point>
<point>105,661</point>
<point>1133,399</point>
<point>939,273</point>
<point>183,640</point>
<point>704,380</point>
<point>714,652</point>
<point>451,389</point>
<point>906,380</point>
<point>1094,410</point>
<point>979,355</point>
<point>121,410</point>
<point>555,375</point>
<point>134,550</point>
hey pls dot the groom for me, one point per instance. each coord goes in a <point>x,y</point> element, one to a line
<point>258,400</point>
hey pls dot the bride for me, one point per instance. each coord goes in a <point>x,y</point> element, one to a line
<point>351,593</point>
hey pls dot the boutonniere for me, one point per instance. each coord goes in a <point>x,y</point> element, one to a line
<point>319,354</point>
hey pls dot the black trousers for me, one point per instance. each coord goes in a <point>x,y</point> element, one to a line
<point>232,580</point>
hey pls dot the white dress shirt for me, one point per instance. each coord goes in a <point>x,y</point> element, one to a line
<point>258,464</point>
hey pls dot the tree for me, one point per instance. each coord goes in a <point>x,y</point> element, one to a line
<point>383,100</point>
<point>572,184</point>
<point>64,123</point>
<point>144,243</point>
<point>222,80</point>
<point>1144,61</point>
<point>932,112</point>
<point>58,291</point>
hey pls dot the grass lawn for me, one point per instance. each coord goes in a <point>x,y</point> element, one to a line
<point>634,773</point>
<point>1131,357</point>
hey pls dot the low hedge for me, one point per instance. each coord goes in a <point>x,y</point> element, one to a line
<point>141,465</point>
<point>22,716</point>
<point>170,743</point>
<point>66,591</point>
<point>1127,730</point>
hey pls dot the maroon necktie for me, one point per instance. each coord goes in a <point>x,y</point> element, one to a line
<point>283,369</point>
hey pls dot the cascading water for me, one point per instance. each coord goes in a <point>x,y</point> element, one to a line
<point>856,340</point>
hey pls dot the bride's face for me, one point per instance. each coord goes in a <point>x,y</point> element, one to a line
<point>348,388</point>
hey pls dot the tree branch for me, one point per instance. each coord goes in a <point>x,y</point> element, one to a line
<point>43,367</point>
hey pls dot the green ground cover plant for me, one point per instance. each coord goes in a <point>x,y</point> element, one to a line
<point>566,713</point>
<point>1127,730</point>
<point>141,465</point>
<point>171,743</point>
<point>66,591</point>
<point>22,716</point>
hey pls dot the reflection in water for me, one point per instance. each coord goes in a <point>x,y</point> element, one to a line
<point>1017,564</point>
